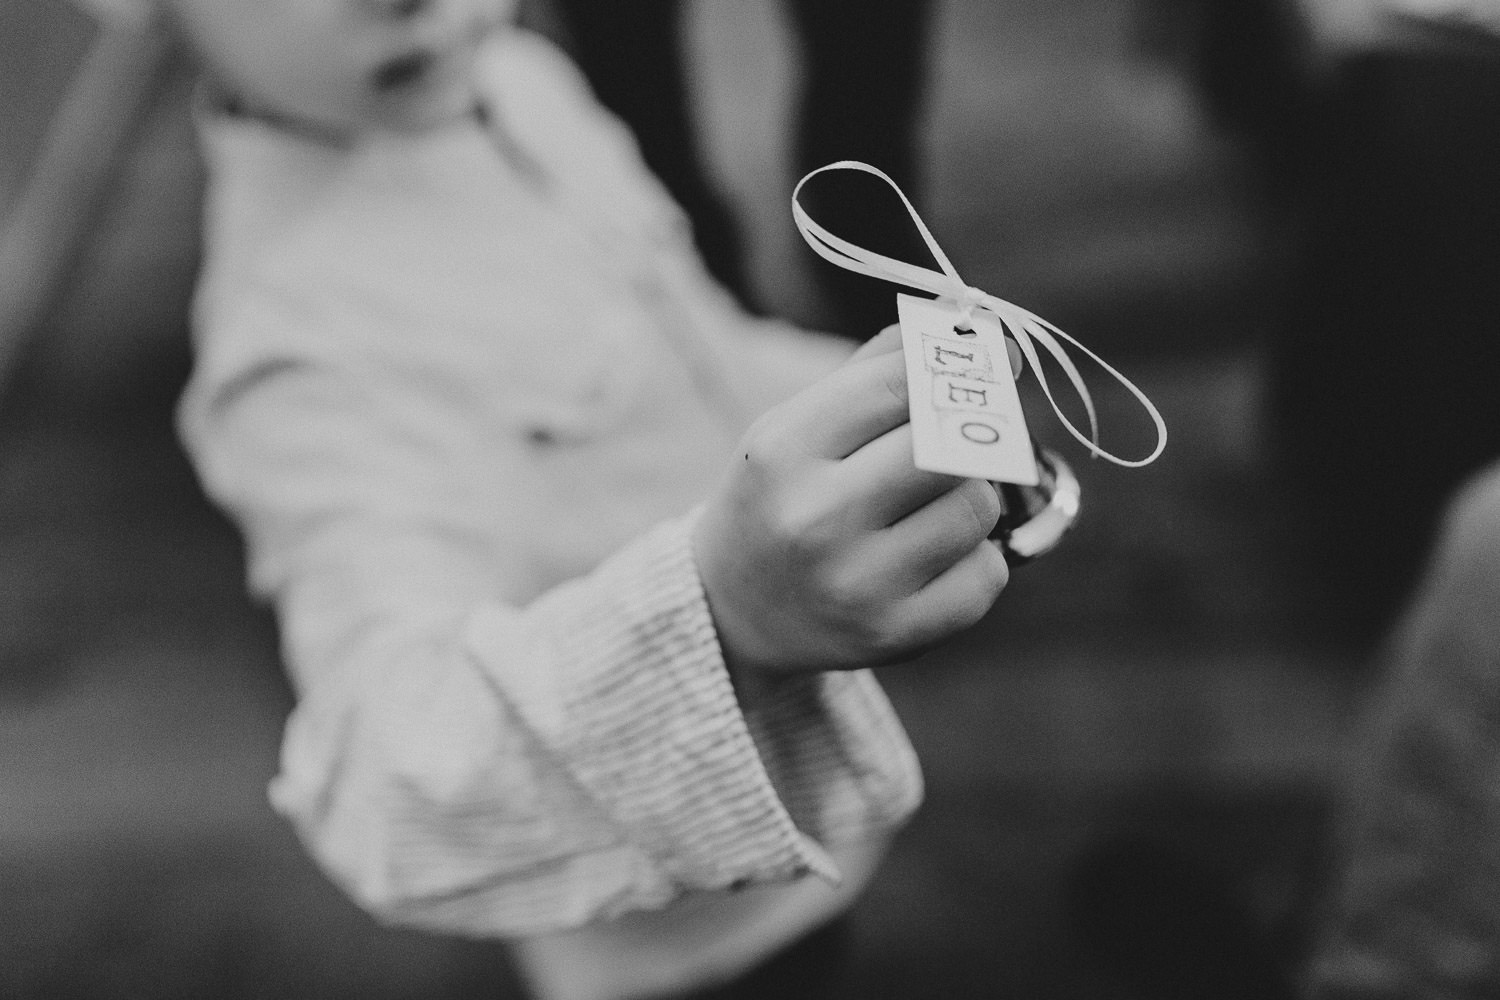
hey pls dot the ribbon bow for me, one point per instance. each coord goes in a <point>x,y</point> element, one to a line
<point>1026,327</point>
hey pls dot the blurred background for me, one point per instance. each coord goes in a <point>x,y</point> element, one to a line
<point>1280,219</point>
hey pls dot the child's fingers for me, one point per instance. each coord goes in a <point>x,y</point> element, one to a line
<point>841,412</point>
<point>932,538</point>
<point>880,478</point>
<point>959,596</point>
<point>884,342</point>
<point>936,535</point>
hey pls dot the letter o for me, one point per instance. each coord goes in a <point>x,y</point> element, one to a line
<point>979,433</point>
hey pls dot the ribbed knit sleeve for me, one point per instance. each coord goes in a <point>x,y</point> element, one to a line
<point>579,758</point>
<point>620,676</point>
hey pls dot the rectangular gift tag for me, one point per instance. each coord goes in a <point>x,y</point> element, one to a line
<point>966,417</point>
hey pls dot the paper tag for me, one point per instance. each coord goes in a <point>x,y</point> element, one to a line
<point>966,417</point>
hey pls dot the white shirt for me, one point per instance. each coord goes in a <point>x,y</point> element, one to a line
<point>461,392</point>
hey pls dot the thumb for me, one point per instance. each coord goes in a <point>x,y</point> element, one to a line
<point>884,342</point>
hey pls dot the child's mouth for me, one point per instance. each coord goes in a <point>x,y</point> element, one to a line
<point>401,71</point>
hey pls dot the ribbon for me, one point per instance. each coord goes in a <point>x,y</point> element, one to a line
<point>1027,328</point>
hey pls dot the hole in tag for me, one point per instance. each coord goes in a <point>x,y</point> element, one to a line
<point>970,332</point>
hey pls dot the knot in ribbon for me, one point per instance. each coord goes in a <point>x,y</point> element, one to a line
<point>968,300</point>
<point>1027,328</point>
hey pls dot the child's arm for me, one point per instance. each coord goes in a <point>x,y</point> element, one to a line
<point>463,758</point>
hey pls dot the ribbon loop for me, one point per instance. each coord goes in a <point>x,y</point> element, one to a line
<point>1026,327</point>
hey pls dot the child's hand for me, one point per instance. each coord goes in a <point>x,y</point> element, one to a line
<point>825,548</point>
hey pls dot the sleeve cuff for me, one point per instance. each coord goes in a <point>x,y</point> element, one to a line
<point>837,754</point>
<point>621,677</point>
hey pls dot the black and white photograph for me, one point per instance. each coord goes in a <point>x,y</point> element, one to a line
<point>749,500</point>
